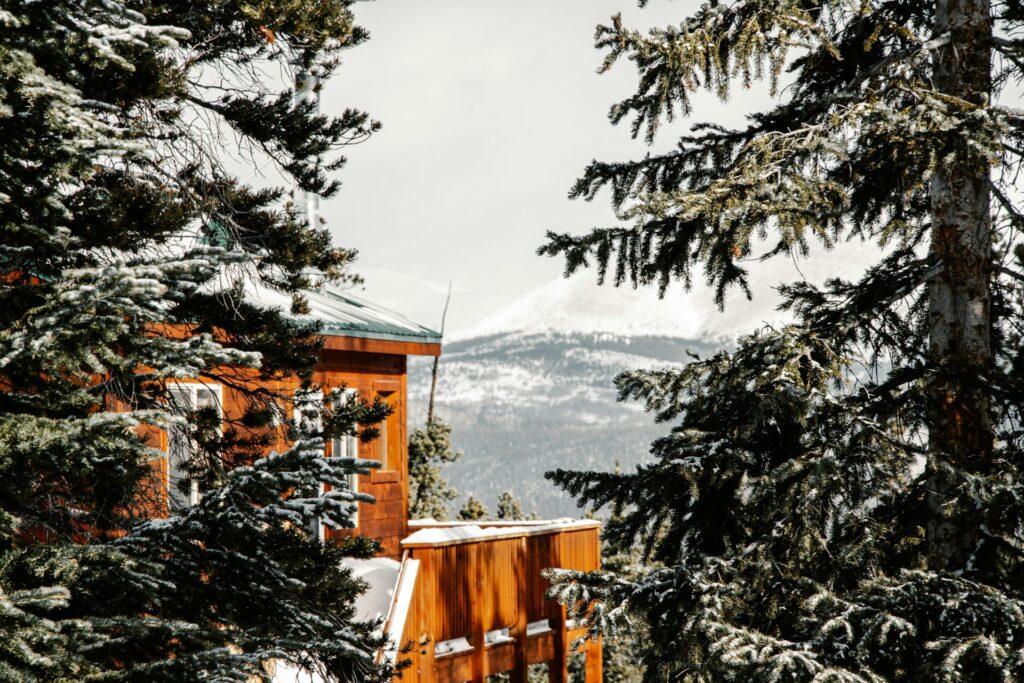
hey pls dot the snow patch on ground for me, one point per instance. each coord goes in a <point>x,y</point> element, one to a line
<point>610,359</point>
<point>381,576</point>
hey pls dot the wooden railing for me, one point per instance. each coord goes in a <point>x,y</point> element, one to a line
<point>479,605</point>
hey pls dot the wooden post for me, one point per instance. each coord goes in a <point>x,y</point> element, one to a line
<point>520,657</point>
<point>426,631</point>
<point>593,647</point>
<point>476,618</point>
<point>594,671</point>
<point>558,667</point>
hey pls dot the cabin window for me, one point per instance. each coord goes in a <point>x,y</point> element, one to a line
<point>186,397</point>
<point>347,447</point>
<point>308,417</point>
<point>308,420</point>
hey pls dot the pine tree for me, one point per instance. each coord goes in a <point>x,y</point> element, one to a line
<point>429,449</point>
<point>838,499</point>
<point>509,507</point>
<point>429,492</point>
<point>622,655</point>
<point>473,510</point>
<point>121,228</point>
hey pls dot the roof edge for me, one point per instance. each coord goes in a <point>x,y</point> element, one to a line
<point>383,336</point>
<point>378,343</point>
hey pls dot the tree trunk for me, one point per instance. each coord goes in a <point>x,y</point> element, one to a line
<point>960,429</point>
<point>433,389</point>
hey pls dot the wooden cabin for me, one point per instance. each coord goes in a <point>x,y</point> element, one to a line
<point>459,601</point>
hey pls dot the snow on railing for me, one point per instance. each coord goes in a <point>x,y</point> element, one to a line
<point>480,600</point>
<point>431,533</point>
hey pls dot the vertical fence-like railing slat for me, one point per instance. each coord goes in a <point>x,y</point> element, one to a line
<point>470,588</point>
<point>594,666</point>
<point>431,618</point>
<point>520,657</point>
<point>558,667</point>
<point>477,611</point>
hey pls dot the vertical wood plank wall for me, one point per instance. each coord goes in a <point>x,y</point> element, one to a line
<point>371,374</point>
<point>468,588</point>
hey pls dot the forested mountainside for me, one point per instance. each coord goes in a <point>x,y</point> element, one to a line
<point>530,387</point>
<point>524,403</point>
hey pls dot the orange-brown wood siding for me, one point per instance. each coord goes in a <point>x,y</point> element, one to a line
<point>466,589</point>
<point>371,375</point>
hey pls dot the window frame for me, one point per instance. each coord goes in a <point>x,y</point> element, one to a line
<point>351,444</point>
<point>174,391</point>
<point>389,472</point>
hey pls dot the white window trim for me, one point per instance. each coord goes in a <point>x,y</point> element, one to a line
<point>352,443</point>
<point>381,443</point>
<point>193,388</point>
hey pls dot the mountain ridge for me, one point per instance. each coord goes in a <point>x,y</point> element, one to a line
<point>578,304</point>
<point>522,404</point>
<point>529,388</point>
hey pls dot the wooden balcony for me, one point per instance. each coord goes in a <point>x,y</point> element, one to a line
<point>471,600</point>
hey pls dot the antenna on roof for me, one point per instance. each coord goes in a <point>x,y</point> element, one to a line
<point>437,358</point>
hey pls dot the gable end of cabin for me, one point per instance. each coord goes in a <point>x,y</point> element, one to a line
<point>366,350</point>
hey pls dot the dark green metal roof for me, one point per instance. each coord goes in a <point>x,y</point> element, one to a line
<point>342,314</point>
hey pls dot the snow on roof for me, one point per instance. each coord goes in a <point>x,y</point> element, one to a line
<point>470,532</point>
<point>343,314</point>
<point>381,577</point>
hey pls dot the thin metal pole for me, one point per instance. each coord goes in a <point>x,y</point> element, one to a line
<point>307,204</point>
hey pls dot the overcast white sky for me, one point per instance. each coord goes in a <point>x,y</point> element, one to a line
<point>490,111</point>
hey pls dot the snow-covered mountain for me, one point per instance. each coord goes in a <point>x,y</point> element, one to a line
<point>525,403</point>
<point>577,305</point>
<point>529,388</point>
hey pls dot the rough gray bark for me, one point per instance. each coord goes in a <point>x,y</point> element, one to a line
<point>961,432</point>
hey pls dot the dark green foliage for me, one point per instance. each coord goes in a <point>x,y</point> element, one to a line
<point>473,510</point>
<point>119,216</point>
<point>838,499</point>
<point>429,492</point>
<point>509,507</point>
<point>622,655</point>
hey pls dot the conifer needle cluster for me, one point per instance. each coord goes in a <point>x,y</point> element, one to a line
<point>840,498</point>
<point>128,248</point>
